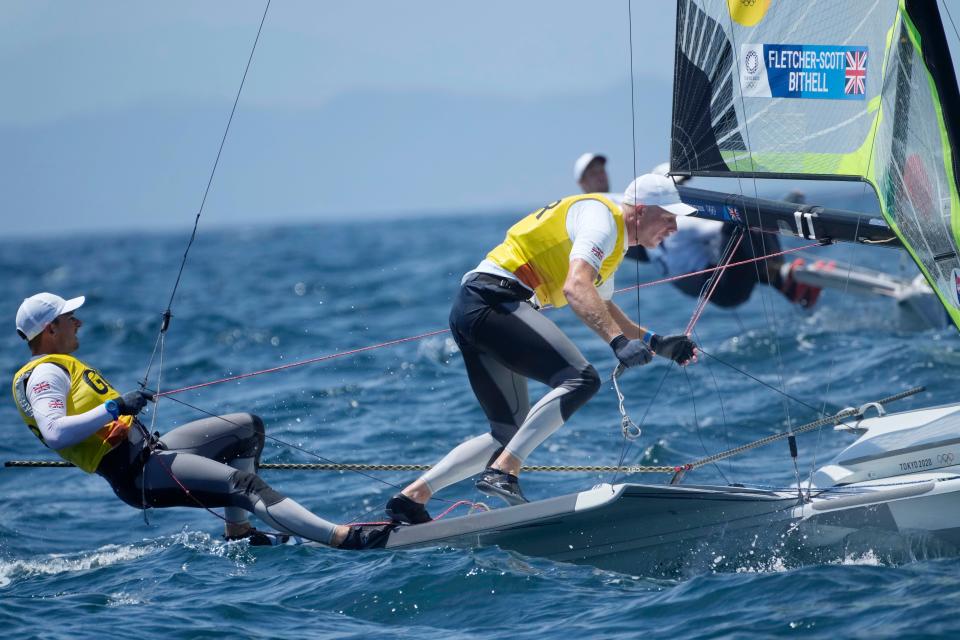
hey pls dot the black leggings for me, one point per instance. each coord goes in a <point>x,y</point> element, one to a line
<point>737,283</point>
<point>216,460</point>
<point>504,341</point>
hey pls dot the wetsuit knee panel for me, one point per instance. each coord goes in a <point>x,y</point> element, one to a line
<point>260,431</point>
<point>252,439</point>
<point>257,423</point>
<point>582,388</point>
<point>253,487</point>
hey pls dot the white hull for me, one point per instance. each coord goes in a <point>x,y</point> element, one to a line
<point>663,530</point>
<point>917,307</point>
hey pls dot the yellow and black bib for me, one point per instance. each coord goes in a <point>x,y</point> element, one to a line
<point>88,390</point>
<point>537,249</point>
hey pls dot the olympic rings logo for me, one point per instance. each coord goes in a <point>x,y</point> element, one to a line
<point>945,458</point>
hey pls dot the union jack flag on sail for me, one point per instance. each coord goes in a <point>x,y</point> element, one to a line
<point>856,73</point>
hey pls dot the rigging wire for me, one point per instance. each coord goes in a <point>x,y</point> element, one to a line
<point>769,313</point>
<point>723,412</point>
<point>725,258</point>
<point>633,137</point>
<point>302,450</point>
<point>850,259</point>
<point>706,293</point>
<point>833,359</point>
<point>763,257</point>
<point>712,283</point>
<point>783,393</point>
<point>168,314</point>
<point>300,363</point>
<point>280,441</point>
<point>628,443</point>
<point>696,421</point>
<point>952,24</point>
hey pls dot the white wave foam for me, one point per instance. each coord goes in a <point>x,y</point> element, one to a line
<point>57,563</point>
<point>122,599</point>
<point>867,558</point>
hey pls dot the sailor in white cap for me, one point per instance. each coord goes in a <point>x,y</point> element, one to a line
<point>74,411</point>
<point>590,172</point>
<point>699,245</point>
<point>563,253</point>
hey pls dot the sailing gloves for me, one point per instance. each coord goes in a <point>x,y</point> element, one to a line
<point>680,349</point>
<point>631,353</point>
<point>129,404</point>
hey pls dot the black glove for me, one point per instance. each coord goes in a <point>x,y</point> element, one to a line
<point>631,353</point>
<point>132,402</point>
<point>680,348</point>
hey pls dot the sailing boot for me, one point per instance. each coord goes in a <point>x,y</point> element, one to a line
<point>365,536</point>
<point>495,482</point>
<point>406,510</point>
<point>257,538</point>
<point>802,294</point>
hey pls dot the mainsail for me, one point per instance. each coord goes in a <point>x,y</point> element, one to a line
<point>832,91</point>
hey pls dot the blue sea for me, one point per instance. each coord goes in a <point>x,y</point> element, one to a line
<point>75,562</point>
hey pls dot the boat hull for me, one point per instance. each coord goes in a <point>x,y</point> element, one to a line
<point>923,506</point>
<point>666,530</point>
<point>629,528</point>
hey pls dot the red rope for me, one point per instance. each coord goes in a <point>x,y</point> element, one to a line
<point>702,304</point>
<point>302,362</point>
<point>441,331</point>
<point>460,503</point>
<point>734,264</point>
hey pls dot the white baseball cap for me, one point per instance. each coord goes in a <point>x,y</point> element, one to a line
<point>39,310</point>
<point>583,162</point>
<point>656,191</point>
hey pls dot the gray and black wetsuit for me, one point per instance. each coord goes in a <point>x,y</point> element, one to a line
<point>504,340</point>
<point>686,253</point>
<point>216,459</point>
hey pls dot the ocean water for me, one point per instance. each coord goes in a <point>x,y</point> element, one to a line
<point>76,562</point>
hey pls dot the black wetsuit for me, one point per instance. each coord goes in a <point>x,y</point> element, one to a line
<point>737,283</point>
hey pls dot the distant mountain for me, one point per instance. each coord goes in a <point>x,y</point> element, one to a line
<point>363,154</point>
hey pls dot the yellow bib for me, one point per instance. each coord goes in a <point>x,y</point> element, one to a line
<point>537,249</point>
<point>88,390</point>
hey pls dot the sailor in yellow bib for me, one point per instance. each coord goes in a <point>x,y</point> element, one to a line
<point>563,253</point>
<point>88,391</point>
<point>211,463</point>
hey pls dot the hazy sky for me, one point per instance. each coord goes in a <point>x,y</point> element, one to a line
<point>113,110</point>
<point>68,58</point>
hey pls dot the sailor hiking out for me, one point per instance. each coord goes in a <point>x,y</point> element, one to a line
<point>564,253</point>
<point>208,463</point>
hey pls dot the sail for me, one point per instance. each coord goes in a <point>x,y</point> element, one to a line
<point>827,90</point>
